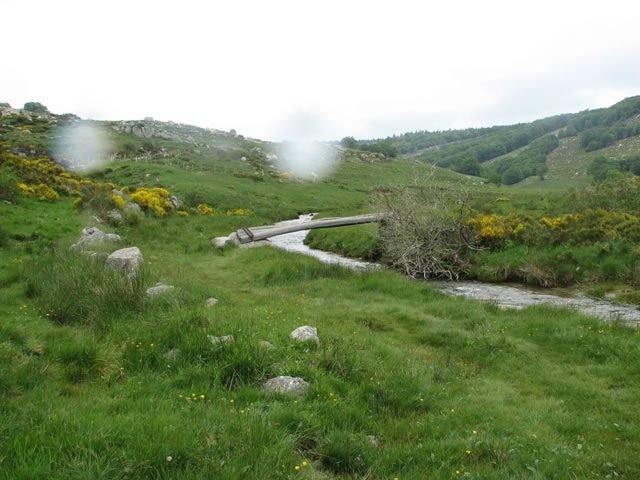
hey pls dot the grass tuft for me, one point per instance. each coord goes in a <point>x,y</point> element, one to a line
<point>304,270</point>
<point>70,288</point>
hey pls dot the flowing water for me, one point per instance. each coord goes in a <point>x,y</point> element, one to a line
<point>519,297</point>
<point>502,295</point>
<point>294,242</point>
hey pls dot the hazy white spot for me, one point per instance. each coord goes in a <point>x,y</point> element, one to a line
<point>302,154</point>
<point>307,159</point>
<point>81,147</point>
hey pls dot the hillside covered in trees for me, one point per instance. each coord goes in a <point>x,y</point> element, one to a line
<point>509,154</point>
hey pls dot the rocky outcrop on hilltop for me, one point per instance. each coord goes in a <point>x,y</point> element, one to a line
<point>176,132</point>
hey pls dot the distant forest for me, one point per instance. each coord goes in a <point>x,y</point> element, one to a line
<point>475,151</point>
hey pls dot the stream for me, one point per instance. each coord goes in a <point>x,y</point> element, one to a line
<point>294,242</point>
<point>510,296</point>
<point>505,296</point>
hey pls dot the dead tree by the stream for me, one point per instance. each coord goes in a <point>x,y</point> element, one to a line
<point>424,232</point>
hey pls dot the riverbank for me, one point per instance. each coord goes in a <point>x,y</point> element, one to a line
<point>506,296</point>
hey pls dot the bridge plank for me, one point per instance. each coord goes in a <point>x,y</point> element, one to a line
<point>263,232</point>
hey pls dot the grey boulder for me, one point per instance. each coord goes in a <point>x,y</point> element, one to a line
<point>266,345</point>
<point>128,260</point>
<point>114,217</point>
<point>92,236</point>
<point>211,302</point>
<point>159,289</point>
<point>175,201</point>
<point>286,385</point>
<point>304,334</point>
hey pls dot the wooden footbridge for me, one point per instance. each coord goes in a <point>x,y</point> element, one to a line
<point>253,234</point>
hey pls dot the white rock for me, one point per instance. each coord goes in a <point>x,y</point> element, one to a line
<point>159,289</point>
<point>211,302</point>
<point>231,239</point>
<point>128,260</point>
<point>114,217</point>
<point>219,241</point>
<point>373,440</point>
<point>286,385</point>
<point>175,201</point>
<point>172,354</point>
<point>93,235</point>
<point>305,333</point>
<point>223,339</point>
<point>133,208</point>
<point>266,345</point>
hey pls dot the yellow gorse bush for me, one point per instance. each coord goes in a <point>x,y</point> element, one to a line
<point>26,190</point>
<point>493,229</point>
<point>204,209</point>
<point>118,200</point>
<point>44,179</point>
<point>556,223</point>
<point>588,226</point>
<point>45,192</point>
<point>239,212</point>
<point>153,199</point>
<point>40,191</point>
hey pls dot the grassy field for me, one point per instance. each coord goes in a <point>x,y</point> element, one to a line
<point>99,381</point>
<point>349,189</point>
<point>96,381</point>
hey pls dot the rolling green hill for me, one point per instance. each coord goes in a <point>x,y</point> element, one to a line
<point>99,379</point>
<point>221,169</point>
<point>510,154</point>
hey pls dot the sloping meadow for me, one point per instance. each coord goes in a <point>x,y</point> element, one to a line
<point>405,382</point>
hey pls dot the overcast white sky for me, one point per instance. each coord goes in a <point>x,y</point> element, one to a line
<point>325,69</point>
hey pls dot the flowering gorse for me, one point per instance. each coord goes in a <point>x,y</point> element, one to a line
<point>155,200</point>
<point>587,226</point>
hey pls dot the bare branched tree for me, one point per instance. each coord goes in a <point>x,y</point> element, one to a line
<point>424,232</point>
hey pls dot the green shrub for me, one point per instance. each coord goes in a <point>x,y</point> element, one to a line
<point>619,193</point>
<point>97,197</point>
<point>35,107</point>
<point>596,138</point>
<point>81,361</point>
<point>132,214</point>
<point>73,289</point>
<point>9,190</point>
<point>193,199</point>
<point>345,454</point>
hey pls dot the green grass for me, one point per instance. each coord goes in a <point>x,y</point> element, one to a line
<point>97,381</point>
<point>614,292</point>
<point>358,241</point>
<point>448,387</point>
<point>349,189</point>
<point>553,266</point>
